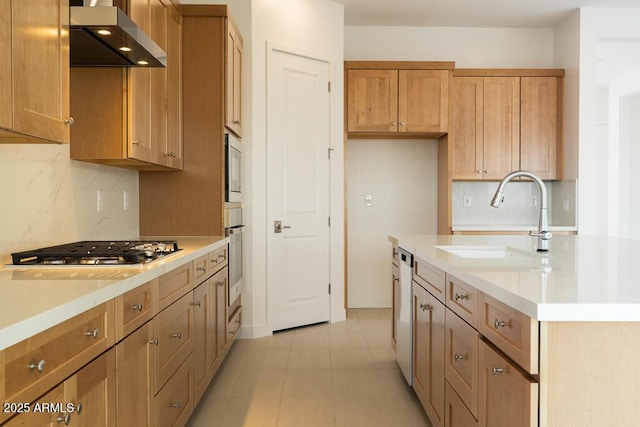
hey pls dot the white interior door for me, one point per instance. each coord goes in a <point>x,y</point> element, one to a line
<point>297,190</point>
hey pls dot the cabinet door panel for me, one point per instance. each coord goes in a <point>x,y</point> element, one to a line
<point>6,114</point>
<point>467,124</point>
<point>233,77</point>
<point>174,89</point>
<point>422,100</point>
<point>462,360</point>
<point>95,386</point>
<point>41,418</point>
<point>41,93</point>
<point>372,100</point>
<point>540,126</point>
<point>507,397</point>
<point>501,134</point>
<point>158,84</point>
<point>456,414</point>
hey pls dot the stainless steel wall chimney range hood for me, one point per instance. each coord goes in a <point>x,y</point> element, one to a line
<point>102,35</point>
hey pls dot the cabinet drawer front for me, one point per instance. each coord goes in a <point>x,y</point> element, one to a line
<point>507,396</point>
<point>461,360</point>
<point>431,278</point>
<point>513,332</point>
<point>174,404</point>
<point>173,328</point>
<point>201,268</point>
<point>234,324</point>
<point>173,285</point>
<point>462,299</point>
<point>456,413</point>
<point>133,309</point>
<point>218,259</point>
<point>35,365</point>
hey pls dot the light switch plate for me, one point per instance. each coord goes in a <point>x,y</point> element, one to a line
<point>368,200</point>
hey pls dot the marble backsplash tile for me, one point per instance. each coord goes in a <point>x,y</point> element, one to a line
<point>47,198</point>
<point>517,208</point>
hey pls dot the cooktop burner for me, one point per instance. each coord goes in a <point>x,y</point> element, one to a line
<point>103,252</point>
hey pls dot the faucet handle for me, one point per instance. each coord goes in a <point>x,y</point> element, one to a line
<point>544,235</point>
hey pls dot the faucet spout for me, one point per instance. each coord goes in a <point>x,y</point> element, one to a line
<point>543,234</point>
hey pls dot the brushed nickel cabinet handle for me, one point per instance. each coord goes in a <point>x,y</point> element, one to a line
<point>66,419</point>
<point>137,307</point>
<point>499,323</point>
<point>177,335</point>
<point>176,405</point>
<point>460,296</point>
<point>95,333</point>
<point>135,142</point>
<point>402,123</point>
<point>197,304</point>
<point>497,371</point>
<point>203,269</point>
<point>220,284</point>
<point>154,341</point>
<point>458,357</point>
<point>69,121</point>
<point>79,408</point>
<point>37,365</point>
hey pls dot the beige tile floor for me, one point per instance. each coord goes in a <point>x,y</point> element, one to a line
<point>341,374</point>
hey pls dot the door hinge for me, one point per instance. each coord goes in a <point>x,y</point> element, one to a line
<point>329,221</point>
<point>329,150</point>
<point>329,86</point>
<point>329,288</point>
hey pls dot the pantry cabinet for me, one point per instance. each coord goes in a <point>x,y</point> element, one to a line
<point>34,71</point>
<point>137,123</point>
<point>397,98</point>
<point>505,120</point>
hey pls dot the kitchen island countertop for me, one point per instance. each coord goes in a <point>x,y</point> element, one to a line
<point>581,278</point>
<point>37,298</point>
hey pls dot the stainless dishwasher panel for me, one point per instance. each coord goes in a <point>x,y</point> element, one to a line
<point>404,322</point>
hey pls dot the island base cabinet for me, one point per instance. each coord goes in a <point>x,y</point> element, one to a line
<point>507,398</point>
<point>456,413</point>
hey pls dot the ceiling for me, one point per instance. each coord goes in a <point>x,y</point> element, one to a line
<point>467,13</point>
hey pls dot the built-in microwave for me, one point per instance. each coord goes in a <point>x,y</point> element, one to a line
<point>233,158</point>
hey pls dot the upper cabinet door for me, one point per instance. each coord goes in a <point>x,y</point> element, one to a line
<point>501,134</point>
<point>233,76</point>
<point>540,126</point>
<point>467,112</point>
<point>373,100</point>
<point>174,89</point>
<point>6,114</point>
<point>40,68</point>
<point>423,100</point>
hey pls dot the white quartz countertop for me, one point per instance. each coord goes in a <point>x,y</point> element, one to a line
<point>514,227</point>
<point>35,299</point>
<point>581,278</point>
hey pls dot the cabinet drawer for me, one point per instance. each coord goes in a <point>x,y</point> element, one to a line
<point>218,259</point>
<point>462,299</point>
<point>173,330</point>
<point>513,332</point>
<point>201,269</point>
<point>431,278</point>
<point>35,365</point>
<point>174,404</point>
<point>508,397</point>
<point>456,414</point>
<point>461,360</point>
<point>133,309</point>
<point>172,286</point>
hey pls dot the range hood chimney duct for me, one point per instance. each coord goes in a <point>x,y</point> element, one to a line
<point>102,35</point>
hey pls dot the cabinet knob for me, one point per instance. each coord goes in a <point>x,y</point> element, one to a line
<point>95,333</point>
<point>458,357</point>
<point>66,419</point>
<point>402,123</point>
<point>137,307</point>
<point>220,284</point>
<point>460,296</point>
<point>70,121</point>
<point>135,142</point>
<point>497,371</point>
<point>395,278</point>
<point>424,307</point>
<point>499,323</point>
<point>176,405</point>
<point>394,124</point>
<point>154,341</point>
<point>79,408</point>
<point>478,171</point>
<point>177,335</point>
<point>486,171</point>
<point>37,365</point>
<point>203,269</point>
<point>197,303</point>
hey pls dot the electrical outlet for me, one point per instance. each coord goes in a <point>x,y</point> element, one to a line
<point>533,201</point>
<point>565,206</point>
<point>466,201</point>
<point>99,201</point>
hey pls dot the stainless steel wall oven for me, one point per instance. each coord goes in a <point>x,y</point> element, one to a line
<point>233,161</point>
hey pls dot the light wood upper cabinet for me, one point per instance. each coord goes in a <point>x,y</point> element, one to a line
<point>233,79</point>
<point>385,99</point>
<point>541,125</point>
<point>138,122</point>
<point>504,122</point>
<point>34,75</point>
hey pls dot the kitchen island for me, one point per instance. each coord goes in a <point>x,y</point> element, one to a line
<point>115,345</point>
<point>566,322</point>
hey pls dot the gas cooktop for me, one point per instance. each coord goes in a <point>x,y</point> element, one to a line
<point>101,252</point>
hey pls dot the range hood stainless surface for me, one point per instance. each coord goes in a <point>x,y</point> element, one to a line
<point>90,49</point>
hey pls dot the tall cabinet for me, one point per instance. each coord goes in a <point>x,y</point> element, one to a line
<point>191,203</point>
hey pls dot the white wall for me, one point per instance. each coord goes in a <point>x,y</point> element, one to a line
<point>369,268</point>
<point>48,199</point>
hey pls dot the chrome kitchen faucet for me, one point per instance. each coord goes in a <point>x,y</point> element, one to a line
<point>543,222</point>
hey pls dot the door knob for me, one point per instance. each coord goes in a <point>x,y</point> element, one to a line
<point>277,226</point>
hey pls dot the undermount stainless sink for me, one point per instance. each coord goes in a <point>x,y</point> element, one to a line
<point>483,252</point>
